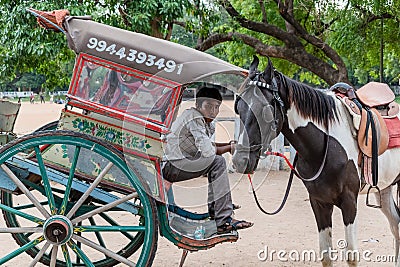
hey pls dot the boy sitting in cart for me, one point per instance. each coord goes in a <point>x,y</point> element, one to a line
<point>191,153</point>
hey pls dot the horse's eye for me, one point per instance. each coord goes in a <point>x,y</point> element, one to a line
<point>267,113</point>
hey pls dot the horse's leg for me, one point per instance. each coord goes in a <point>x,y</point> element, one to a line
<point>348,206</point>
<point>323,216</point>
<point>391,212</point>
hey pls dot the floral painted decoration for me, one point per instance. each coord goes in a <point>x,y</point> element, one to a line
<point>110,134</point>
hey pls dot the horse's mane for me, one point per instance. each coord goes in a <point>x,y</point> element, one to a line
<point>311,103</point>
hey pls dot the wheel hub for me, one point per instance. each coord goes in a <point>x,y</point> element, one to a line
<point>58,230</point>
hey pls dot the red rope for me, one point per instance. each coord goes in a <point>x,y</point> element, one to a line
<point>271,153</point>
<point>251,182</point>
<point>282,156</point>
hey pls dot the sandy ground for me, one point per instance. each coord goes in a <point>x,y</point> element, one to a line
<point>33,116</point>
<point>292,231</point>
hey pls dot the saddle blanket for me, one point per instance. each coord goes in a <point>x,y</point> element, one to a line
<point>393,126</point>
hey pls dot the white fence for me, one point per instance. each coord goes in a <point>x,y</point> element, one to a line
<point>16,94</point>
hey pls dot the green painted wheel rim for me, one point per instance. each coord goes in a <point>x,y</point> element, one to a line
<point>146,240</point>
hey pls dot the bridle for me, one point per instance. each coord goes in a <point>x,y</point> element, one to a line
<point>257,80</point>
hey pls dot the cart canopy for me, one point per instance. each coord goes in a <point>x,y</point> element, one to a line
<point>151,55</point>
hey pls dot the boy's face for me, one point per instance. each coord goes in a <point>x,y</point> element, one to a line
<point>209,107</point>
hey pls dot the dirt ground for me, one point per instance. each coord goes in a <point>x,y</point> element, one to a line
<point>292,231</point>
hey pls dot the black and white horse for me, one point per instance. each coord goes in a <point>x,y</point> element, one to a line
<point>319,127</point>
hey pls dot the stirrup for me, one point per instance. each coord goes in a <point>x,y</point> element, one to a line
<point>379,205</point>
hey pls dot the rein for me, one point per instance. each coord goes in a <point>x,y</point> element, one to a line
<point>288,186</point>
<point>289,183</point>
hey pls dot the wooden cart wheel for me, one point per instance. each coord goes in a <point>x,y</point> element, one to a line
<point>48,127</point>
<point>63,221</point>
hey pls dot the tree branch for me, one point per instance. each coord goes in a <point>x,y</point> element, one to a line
<point>293,49</point>
<point>214,40</point>
<point>271,30</point>
<point>370,17</point>
<point>297,56</point>
<point>315,41</point>
<point>179,23</point>
<point>124,16</point>
<point>264,14</point>
<point>289,27</point>
<point>326,26</point>
<point>169,31</point>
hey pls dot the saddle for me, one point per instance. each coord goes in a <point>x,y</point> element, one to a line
<point>369,106</point>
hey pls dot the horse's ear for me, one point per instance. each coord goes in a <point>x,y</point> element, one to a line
<point>253,66</point>
<point>268,72</point>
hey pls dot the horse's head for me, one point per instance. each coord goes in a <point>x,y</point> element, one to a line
<point>261,112</point>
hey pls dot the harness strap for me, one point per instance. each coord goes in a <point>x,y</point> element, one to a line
<point>371,122</point>
<point>321,167</point>
<point>374,152</point>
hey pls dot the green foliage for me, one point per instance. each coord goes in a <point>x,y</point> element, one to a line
<point>358,34</point>
<point>349,27</point>
<point>29,81</point>
<point>143,15</point>
<point>29,48</point>
<point>25,47</point>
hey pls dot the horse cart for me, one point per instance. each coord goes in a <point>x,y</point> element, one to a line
<point>90,192</point>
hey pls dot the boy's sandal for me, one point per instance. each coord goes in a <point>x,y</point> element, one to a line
<point>236,206</point>
<point>232,224</point>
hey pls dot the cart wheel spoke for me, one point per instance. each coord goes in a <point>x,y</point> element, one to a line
<point>66,255</point>
<point>112,222</point>
<point>21,250</point>
<point>90,190</point>
<point>98,235</point>
<point>45,180</point>
<point>104,208</point>
<point>24,207</point>
<point>80,253</point>
<point>26,191</point>
<point>78,260</point>
<point>70,178</point>
<point>21,230</point>
<point>121,229</point>
<point>53,260</point>
<point>40,254</point>
<point>21,214</point>
<point>104,250</point>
